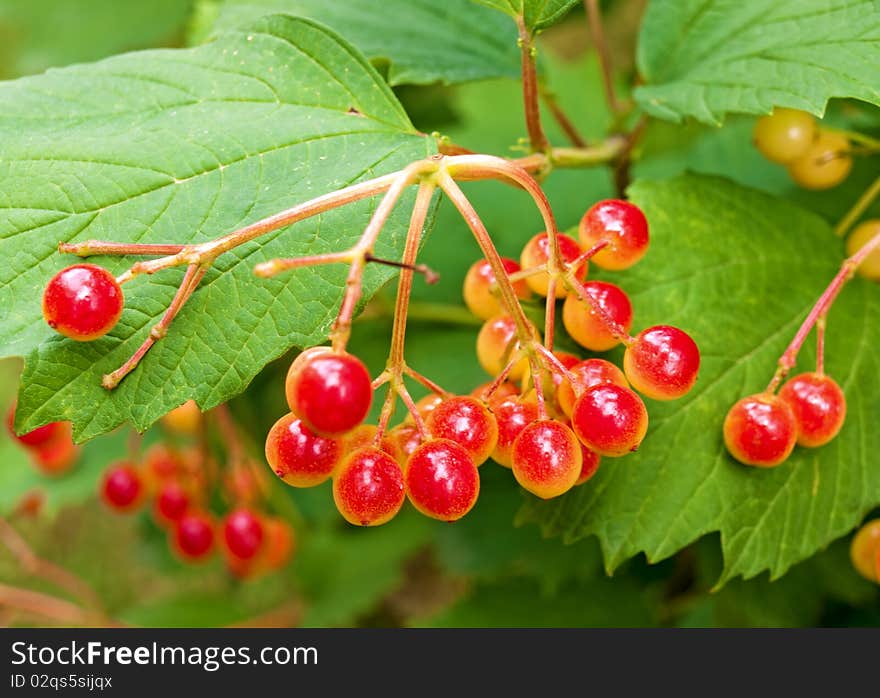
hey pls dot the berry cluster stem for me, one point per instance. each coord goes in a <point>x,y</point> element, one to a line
<point>537,137</point>
<point>858,208</point>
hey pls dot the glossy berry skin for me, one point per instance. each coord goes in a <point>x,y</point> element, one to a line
<point>368,488</point>
<point>56,457</point>
<point>299,456</point>
<point>243,533</point>
<point>504,391</point>
<point>194,536</point>
<point>552,378</point>
<point>172,502</point>
<point>662,363</point>
<point>864,550</point>
<point>495,346</point>
<point>586,374</point>
<point>424,407</point>
<point>547,458</point>
<point>586,326</point>
<point>512,417</point>
<point>48,433</point>
<point>819,407</point>
<point>477,293</point>
<point>625,228</point>
<point>82,302</point>
<point>610,420</point>
<point>858,238</point>
<point>331,392</point>
<point>442,481</point>
<point>122,487</point>
<point>537,251</point>
<point>184,419</point>
<point>760,430</point>
<point>401,441</point>
<point>589,465</point>
<point>360,436</point>
<point>785,135</point>
<point>825,164</point>
<point>468,422</point>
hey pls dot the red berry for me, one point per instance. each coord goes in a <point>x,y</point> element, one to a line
<point>41,435</point>
<point>162,463</point>
<point>172,502</point>
<point>401,441</point>
<point>547,458</point>
<point>537,251</point>
<point>512,417</point>
<point>624,226</point>
<point>280,543</point>
<point>424,407</point>
<point>496,343</point>
<point>479,298</point>
<point>330,392</point>
<point>501,393</point>
<point>368,488</point>
<point>243,533</point>
<point>610,420</point>
<point>82,302</point>
<point>441,480</point>
<point>662,363</point>
<point>590,465</point>
<point>588,327</point>
<point>298,456</point>
<point>563,357</point>
<point>468,422</point>
<point>122,487</point>
<point>586,374</point>
<point>194,535</point>
<point>760,430</point>
<point>359,437</point>
<point>55,457</point>
<point>819,407</point>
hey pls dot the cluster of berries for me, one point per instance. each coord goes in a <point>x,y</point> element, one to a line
<point>50,446</point>
<point>815,157</point>
<point>177,486</point>
<point>864,551</point>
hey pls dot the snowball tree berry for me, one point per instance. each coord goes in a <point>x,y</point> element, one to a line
<point>760,430</point>
<point>610,420</point>
<point>495,344</point>
<point>864,550</point>
<point>82,302</point>
<point>501,392</point>
<point>368,488</point>
<point>819,407</point>
<point>468,422</point>
<point>586,374</point>
<point>280,542</point>
<point>537,252</point>
<point>825,164</point>
<point>362,435</point>
<point>243,533</point>
<point>442,481</point>
<point>477,290</point>
<point>55,457</point>
<point>512,416</point>
<point>586,326</point>
<point>662,363</point>
<point>184,419</point>
<point>785,135</point>
<point>299,456</point>
<point>48,433</point>
<point>546,458</point>
<point>172,502</point>
<point>193,535</point>
<point>622,225</point>
<point>425,405</point>
<point>331,392</point>
<point>122,487</point>
<point>401,441</point>
<point>861,235</point>
<point>589,466</point>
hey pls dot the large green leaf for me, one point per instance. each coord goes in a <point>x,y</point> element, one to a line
<point>448,42</point>
<point>739,270</point>
<point>705,58</point>
<point>538,14</point>
<point>179,146</point>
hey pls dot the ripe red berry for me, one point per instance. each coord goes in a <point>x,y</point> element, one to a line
<point>496,343</point>
<point>478,296</point>
<point>243,533</point>
<point>424,407</point>
<point>82,302</point>
<point>590,465</point>
<point>331,392</point>
<point>586,326</point>
<point>610,420</point>
<point>359,437</point>
<point>819,407</point>
<point>401,441</point>
<point>122,487</point>
<point>662,363</point>
<point>537,251</point>
<point>368,488</point>
<point>501,393</point>
<point>161,463</point>
<point>468,422</point>
<point>441,480</point>
<point>299,456</point>
<point>194,535</point>
<point>624,226</point>
<point>512,416</point>
<point>864,550</point>
<point>172,502</point>
<point>55,457</point>
<point>586,374</point>
<point>760,430</point>
<point>547,458</point>
<point>53,431</point>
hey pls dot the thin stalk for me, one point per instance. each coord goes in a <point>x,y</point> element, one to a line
<point>565,123</point>
<point>858,208</point>
<point>598,35</point>
<point>537,138</point>
<point>820,343</point>
<point>550,313</point>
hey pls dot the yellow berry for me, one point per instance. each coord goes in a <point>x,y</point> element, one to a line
<point>785,135</point>
<point>870,267</point>
<point>825,164</point>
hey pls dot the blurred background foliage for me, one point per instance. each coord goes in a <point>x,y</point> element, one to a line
<point>484,570</point>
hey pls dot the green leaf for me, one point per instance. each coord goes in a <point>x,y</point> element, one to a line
<point>538,14</point>
<point>739,270</point>
<point>706,58</point>
<point>181,146</point>
<point>39,34</point>
<point>452,41</point>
